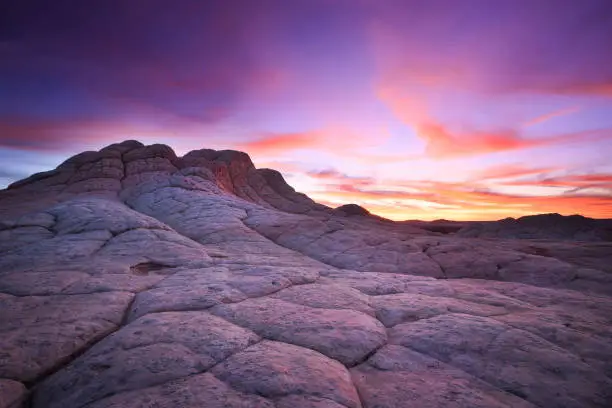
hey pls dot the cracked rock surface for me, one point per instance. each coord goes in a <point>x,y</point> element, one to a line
<point>130,277</point>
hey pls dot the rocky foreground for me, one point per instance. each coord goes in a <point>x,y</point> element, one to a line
<point>131,277</point>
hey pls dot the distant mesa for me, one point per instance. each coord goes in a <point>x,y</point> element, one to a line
<point>542,226</point>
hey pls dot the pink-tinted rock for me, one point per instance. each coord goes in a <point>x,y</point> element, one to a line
<point>344,335</point>
<point>12,393</point>
<point>406,307</point>
<point>274,369</point>
<point>396,376</point>
<point>202,390</point>
<point>40,333</point>
<point>149,351</point>
<point>327,297</point>
<point>130,277</point>
<point>508,358</point>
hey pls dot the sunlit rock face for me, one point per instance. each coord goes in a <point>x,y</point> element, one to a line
<point>130,277</point>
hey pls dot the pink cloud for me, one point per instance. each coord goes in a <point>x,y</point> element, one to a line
<point>576,182</point>
<point>509,171</point>
<point>276,143</point>
<point>551,115</point>
<point>442,142</point>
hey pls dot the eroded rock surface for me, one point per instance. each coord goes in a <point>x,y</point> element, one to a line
<point>130,277</point>
<point>12,393</point>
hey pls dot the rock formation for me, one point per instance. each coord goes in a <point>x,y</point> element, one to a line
<point>543,226</point>
<point>130,277</point>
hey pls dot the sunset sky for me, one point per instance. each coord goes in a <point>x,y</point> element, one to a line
<point>456,109</point>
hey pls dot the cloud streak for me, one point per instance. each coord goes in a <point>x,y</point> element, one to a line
<point>278,143</point>
<point>334,177</point>
<point>551,115</point>
<point>575,182</point>
<point>443,142</point>
<point>509,171</point>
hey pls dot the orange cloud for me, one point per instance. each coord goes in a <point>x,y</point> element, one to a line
<point>351,191</point>
<point>338,141</point>
<point>442,142</point>
<point>278,143</point>
<point>463,201</point>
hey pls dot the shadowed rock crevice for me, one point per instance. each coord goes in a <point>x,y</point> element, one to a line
<point>145,268</point>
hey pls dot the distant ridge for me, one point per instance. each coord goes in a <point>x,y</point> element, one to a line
<point>117,170</point>
<point>542,226</point>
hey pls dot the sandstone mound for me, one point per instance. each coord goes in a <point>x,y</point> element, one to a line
<point>130,277</point>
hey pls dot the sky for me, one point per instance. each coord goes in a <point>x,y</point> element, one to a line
<point>453,109</point>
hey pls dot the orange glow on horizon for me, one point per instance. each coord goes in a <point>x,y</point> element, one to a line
<point>462,202</point>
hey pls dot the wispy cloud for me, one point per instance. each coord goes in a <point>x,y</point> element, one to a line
<point>334,177</point>
<point>509,171</point>
<point>443,142</point>
<point>276,143</point>
<point>551,115</point>
<point>575,182</point>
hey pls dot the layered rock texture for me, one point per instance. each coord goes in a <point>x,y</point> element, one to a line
<point>130,277</point>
